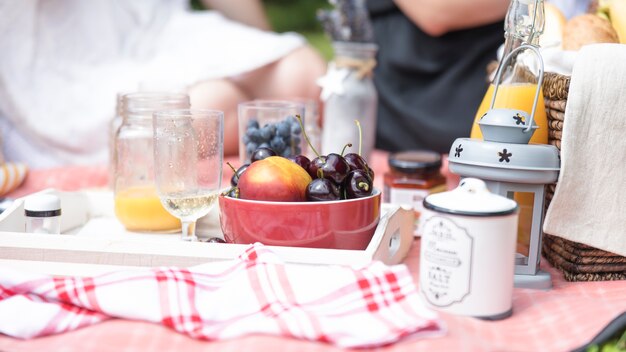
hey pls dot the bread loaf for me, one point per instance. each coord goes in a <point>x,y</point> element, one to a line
<point>554,23</point>
<point>617,10</point>
<point>587,29</point>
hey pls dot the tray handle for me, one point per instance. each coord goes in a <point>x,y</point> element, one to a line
<point>397,238</point>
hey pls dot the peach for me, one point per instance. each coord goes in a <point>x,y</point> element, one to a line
<point>274,179</point>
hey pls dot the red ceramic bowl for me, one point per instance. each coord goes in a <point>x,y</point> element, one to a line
<point>344,224</point>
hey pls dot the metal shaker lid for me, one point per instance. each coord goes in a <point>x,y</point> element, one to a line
<point>42,205</point>
<point>470,198</point>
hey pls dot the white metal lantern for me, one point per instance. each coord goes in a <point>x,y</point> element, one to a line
<point>515,169</point>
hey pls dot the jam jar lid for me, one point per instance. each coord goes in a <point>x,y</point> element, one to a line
<point>414,161</point>
<point>471,198</point>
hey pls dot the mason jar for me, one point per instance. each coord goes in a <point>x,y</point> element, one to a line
<point>137,205</point>
<point>349,94</point>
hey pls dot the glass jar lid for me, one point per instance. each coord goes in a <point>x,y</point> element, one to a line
<point>143,104</point>
<point>470,198</point>
<point>415,161</point>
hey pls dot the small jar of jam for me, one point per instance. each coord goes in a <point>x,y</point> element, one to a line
<point>412,176</point>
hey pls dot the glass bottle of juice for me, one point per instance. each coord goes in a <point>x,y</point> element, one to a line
<point>137,205</point>
<point>524,24</point>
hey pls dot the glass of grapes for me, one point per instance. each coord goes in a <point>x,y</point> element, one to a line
<point>188,156</point>
<point>270,124</point>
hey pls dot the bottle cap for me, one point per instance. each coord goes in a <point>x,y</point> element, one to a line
<point>42,205</point>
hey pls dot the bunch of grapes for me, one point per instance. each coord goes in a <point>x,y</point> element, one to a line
<point>283,137</point>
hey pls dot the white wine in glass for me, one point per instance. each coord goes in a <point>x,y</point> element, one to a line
<point>188,156</point>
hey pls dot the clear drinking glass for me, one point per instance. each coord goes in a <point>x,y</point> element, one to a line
<point>272,124</point>
<point>188,156</point>
<point>312,125</point>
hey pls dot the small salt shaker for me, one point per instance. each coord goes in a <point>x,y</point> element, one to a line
<point>43,214</point>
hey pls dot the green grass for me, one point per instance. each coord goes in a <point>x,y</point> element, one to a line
<point>300,16</point>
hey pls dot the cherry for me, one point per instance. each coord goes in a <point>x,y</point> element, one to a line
<point>301,160</point>
<point>371,173</point>
<point>315,165</point>
<point>262,153</point>
<point>214,240</point>
<point>357,184</point>
<point>322,189</point>
<point>355,161</point>
<point>233,192</point>
<point>333,167</point>
<point>235,179</point>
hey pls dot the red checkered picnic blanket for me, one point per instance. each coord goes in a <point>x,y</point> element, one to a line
<point>257,293</point>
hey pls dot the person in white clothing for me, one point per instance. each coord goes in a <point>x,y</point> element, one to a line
<point>63,62</point>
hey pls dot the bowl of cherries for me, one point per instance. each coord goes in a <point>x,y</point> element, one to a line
<point>327,202</point>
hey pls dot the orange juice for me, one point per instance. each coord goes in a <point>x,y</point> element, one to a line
<point>515,96</point>
<point>139,209</point>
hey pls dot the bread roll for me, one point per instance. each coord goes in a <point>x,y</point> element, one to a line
<point>554,23</point>
<point>587,29</point>
<point>618,18</point>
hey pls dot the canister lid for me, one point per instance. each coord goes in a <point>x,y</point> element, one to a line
<point>42,205</point>
<point>471,198</point>
<point>414,161</point>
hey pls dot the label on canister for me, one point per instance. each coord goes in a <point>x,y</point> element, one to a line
<point>445,268</point>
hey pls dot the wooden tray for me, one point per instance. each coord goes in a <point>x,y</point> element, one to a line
<point>92,241</point>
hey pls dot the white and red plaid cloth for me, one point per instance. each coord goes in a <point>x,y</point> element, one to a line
<point>257,293</point>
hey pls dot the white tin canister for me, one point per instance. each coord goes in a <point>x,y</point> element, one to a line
<point>467,257</point>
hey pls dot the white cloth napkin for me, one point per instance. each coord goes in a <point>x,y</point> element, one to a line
<point>589,204</point>
<point>257,293</point>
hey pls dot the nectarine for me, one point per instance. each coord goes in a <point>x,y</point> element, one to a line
<point>274,179</point>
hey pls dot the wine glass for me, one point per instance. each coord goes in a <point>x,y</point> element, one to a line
<point>188,156</point>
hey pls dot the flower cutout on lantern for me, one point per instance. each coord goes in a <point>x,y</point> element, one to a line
<point>519,119</point>
<point>458,151</point>
<point>504,155</point>
<point>332,82</point>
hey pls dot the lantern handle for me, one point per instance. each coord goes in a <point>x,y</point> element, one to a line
<point>539,79</point>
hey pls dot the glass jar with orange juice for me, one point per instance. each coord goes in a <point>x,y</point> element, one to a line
<point>524,24</point>
<point>137,205</point>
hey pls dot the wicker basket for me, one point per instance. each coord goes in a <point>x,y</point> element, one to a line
<point>577,261</point>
